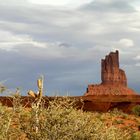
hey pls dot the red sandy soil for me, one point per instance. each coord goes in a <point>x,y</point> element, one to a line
<point>127,121</point>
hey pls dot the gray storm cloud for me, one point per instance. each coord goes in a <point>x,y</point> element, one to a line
<point>66,45</point>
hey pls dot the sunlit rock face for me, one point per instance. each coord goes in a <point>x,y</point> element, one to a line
<point>111,74</point>
<point>114,81</point>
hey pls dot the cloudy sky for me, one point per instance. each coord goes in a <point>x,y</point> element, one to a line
<point>64,40</point>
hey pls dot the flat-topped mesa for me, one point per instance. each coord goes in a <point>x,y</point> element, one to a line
<point>111,74</point>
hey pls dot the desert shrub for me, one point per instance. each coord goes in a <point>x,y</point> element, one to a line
<point>66,122</point>
<point>9,130</point>
<point>5,121</point>
<point>117,112</point>
<point>113,133</point>
<point>10,119</point>
<point>60,121</point>
<point>135,136</point>
<point>136,110</point>
<point>118,121</point>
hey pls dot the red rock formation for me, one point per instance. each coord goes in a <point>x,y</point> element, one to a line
<point>114,81</point>
<point>102,89</point>
<point>111,74</point>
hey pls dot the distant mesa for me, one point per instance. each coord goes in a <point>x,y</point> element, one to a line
<point>114,80</point>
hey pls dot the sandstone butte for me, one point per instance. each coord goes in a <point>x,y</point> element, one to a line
<point>114,80</point>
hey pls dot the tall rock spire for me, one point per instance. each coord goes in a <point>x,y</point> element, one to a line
<point>110,71</point>
<point>114,81</point>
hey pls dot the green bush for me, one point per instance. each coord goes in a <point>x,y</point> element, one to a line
<point>136,110</point>
<point>135,136</point>
<point>60,121</point>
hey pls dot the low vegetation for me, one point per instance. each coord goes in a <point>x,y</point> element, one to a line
<point>62,121</point>
<point>136,110</point>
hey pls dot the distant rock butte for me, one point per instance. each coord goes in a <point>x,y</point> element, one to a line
<point>114,81</point>
<point>111,74</point>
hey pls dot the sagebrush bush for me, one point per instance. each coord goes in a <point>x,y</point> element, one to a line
<point>135,136</point>
<point>136,110</point>
<point>60,121</point>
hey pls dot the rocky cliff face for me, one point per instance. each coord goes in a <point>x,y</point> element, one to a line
<point>114,81</point>
<point>111,74</point>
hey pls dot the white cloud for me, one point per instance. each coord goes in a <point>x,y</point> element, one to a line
<point>137,57</point>
<point>55,51</point>
<point>7,37</point>
<point>13,2</point>
<point>137,64</point>
<point>10,41</point>
<point>67,3</point>
<point>24,44</point>
<point>125,42</point>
